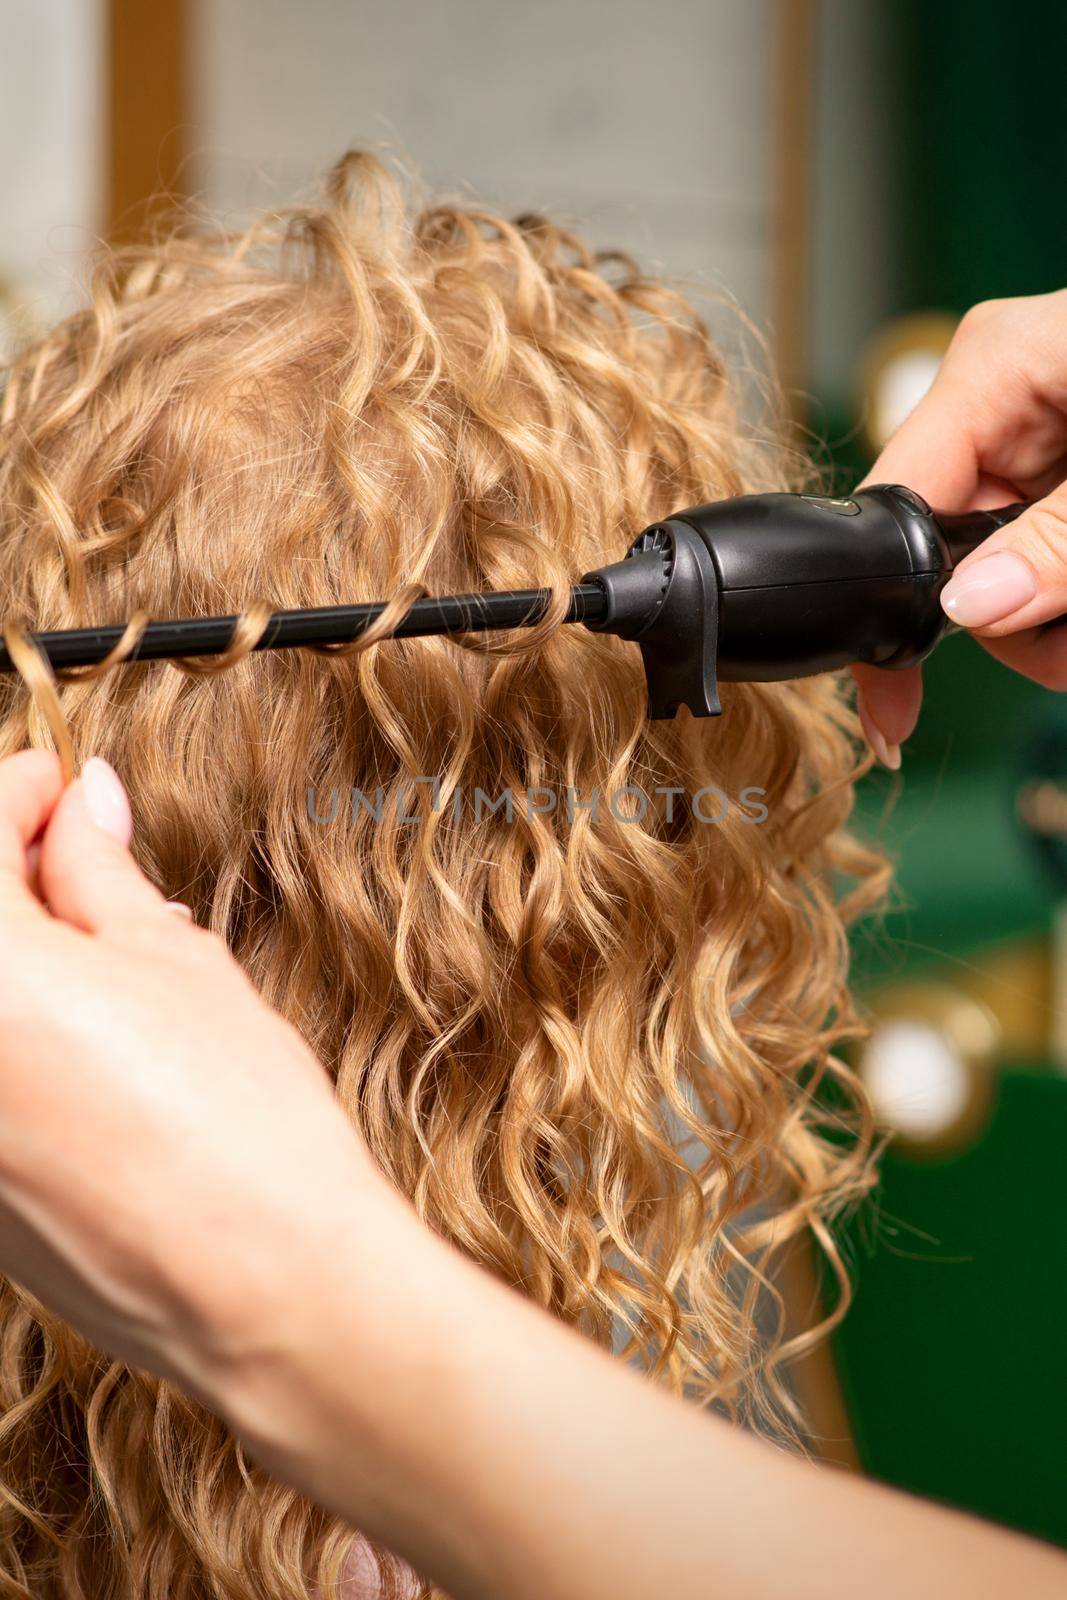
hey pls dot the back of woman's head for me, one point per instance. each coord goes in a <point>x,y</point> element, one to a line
<point>577,988</point>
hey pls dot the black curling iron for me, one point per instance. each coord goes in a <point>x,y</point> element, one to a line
<point>756,589</point>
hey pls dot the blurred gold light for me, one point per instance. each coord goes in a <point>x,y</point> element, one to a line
<point>898,368</point>
<point>928,1065</point>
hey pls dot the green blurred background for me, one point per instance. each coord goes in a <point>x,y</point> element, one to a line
<point>952,1357</point>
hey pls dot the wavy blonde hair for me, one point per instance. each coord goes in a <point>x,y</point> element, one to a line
<point>589,1046</point>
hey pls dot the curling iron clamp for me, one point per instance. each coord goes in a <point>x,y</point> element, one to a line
<point>756,589</point>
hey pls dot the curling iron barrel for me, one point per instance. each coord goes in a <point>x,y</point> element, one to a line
<point>757,589</point>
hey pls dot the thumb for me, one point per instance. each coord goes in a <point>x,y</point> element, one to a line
<point>1018,577</point>
<point>87,875</point>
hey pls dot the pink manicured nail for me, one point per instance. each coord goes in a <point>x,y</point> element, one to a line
<point>989,591</point>
<point>105,799</point>
<point>888,754</point>
<point>181,908</point>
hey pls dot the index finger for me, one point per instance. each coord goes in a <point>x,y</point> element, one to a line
<point>31,783</point>
<point>938,452</point>
<point>993,425</point>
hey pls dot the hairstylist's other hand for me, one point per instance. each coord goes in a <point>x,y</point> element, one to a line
<point>163,1133</point>
<point>992,429</point>
<point>162,1137</point>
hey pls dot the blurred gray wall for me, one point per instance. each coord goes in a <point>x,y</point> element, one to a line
<point>647,124</point>
<point>51,135</point>
<point>855,216</point>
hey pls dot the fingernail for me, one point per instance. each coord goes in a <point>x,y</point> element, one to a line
<point>181,908</point>
<point>989,591</point>
<point>105,799</point>
<point>888,754</point>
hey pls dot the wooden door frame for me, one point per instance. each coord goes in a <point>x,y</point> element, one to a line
<point>147,113</point>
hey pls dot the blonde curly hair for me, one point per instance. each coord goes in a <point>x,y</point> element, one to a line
<point>589,1044</point>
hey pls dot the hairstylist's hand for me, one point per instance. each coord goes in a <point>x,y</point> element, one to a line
<point>163,1134</point>
<point>992,429</point>
<point>164,1138</point>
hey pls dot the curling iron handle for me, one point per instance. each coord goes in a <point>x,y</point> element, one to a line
<point>963,534</point>
<point>808,584</point>
<point>768,587</point>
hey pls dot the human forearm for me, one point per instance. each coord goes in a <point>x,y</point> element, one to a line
<point>423,1402</point>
